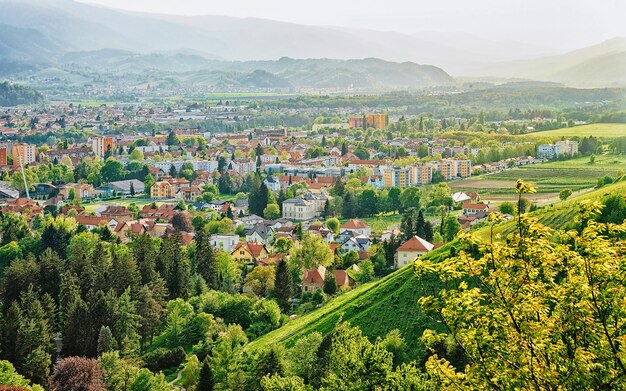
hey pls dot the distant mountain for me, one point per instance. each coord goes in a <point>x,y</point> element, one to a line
<point>43,32</point>
<point>286,72</point>
<point>601,65</point>
<point>81,27</point>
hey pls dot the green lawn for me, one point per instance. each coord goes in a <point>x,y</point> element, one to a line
<point>597,130</point>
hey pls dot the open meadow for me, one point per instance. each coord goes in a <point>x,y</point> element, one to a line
<point>596,130</point>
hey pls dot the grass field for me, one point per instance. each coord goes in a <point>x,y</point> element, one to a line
<point>596,130</point>
<point>551,177</point>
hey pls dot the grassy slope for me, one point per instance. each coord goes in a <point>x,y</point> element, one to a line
<point>377,308</point>
<point>391,302</point>
<point>597,130</point>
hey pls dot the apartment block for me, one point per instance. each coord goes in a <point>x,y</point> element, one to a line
<point>355,122</point>
<point>101,145</point>
<point>455,168</point>
<point>377,121</point>
<point>24,153</point>
<point>3,156</point>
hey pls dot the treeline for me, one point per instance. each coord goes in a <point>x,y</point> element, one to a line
<point>15,94</point>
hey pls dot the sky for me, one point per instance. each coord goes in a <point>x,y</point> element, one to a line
<point>564,24</point>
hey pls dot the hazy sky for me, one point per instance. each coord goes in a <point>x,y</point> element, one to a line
<point>564,23</point>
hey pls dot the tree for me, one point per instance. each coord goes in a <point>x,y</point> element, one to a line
<point>507,208</point>
<point>271,212</point>
<point>410,198</point>
<point>565,194</point>
<point>312,252</point>
<point>282,245</point>
<point>112,171</point>
<point>269,362</point>
<point>132,189</point>
<point>283,286</point>
<point>148,181</point>
<point>179,273</point>
<point>368,202</point>
<point>106,342</point>
<point>260,280</point>
<point>344,149</point>
<point>182,222</point>
<point>14,381</point>
<point>330,283</point>
<point>136,154</point>
<point>206,263</point>
<point>518,309</point>
<point>206,381</point>
<point>172,139</point>
<point>333,224</point>
<point>76,373</point>
<point>451,228</point>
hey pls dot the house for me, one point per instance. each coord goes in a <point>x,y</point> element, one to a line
<point>118,213</point>
<point>249,221</point>
<point>356,226</point>
<point>471,208</point>
<point>224,242</point>
<point>319,229</point>
<point>357,243</point>
<point>460,197</point>
<point>298,209</point>
<point>313,279</point>
<point>91,222</point>
<point>249,252</point>
<point>260,233</point>
<point>413,248</point>
<point>161,190</point>
<point>81,190</point>
<point>189,194</point>
<point>23,206</point>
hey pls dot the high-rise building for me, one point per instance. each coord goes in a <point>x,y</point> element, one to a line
<point>101,145</point>
<point>397,177</point>
<point>24,153</point>
<point>355,122</point>
<point>455,168</point>
<point>3,156</point>
<point>377,121</point>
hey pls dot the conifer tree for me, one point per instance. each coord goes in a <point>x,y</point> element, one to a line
<point>106,342</point>
<point>206,381</point>
<point>283,286</point>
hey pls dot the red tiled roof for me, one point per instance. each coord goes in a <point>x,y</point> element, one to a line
<point>416,244</point>
<point>354,224</point>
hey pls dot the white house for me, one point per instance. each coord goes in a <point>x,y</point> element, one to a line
<point>224,242</point>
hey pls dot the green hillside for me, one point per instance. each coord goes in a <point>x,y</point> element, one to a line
<point>391,303</point>
<point>376,308</point>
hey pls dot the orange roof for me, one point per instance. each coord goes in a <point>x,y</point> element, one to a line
<point>355,224</point>
<point>416,244</point>
<point>255,249</point>
<point>469,205</point>
<point>90,220</point>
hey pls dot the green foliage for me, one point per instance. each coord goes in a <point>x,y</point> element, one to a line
<point>518,309</point>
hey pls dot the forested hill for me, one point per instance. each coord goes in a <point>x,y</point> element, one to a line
<point>15,94</point>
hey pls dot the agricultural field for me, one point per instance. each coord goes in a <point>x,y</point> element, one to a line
<point>549,178</point>
<point>596,130</point>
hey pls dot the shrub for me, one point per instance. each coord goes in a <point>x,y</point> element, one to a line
<point>162,358</point>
